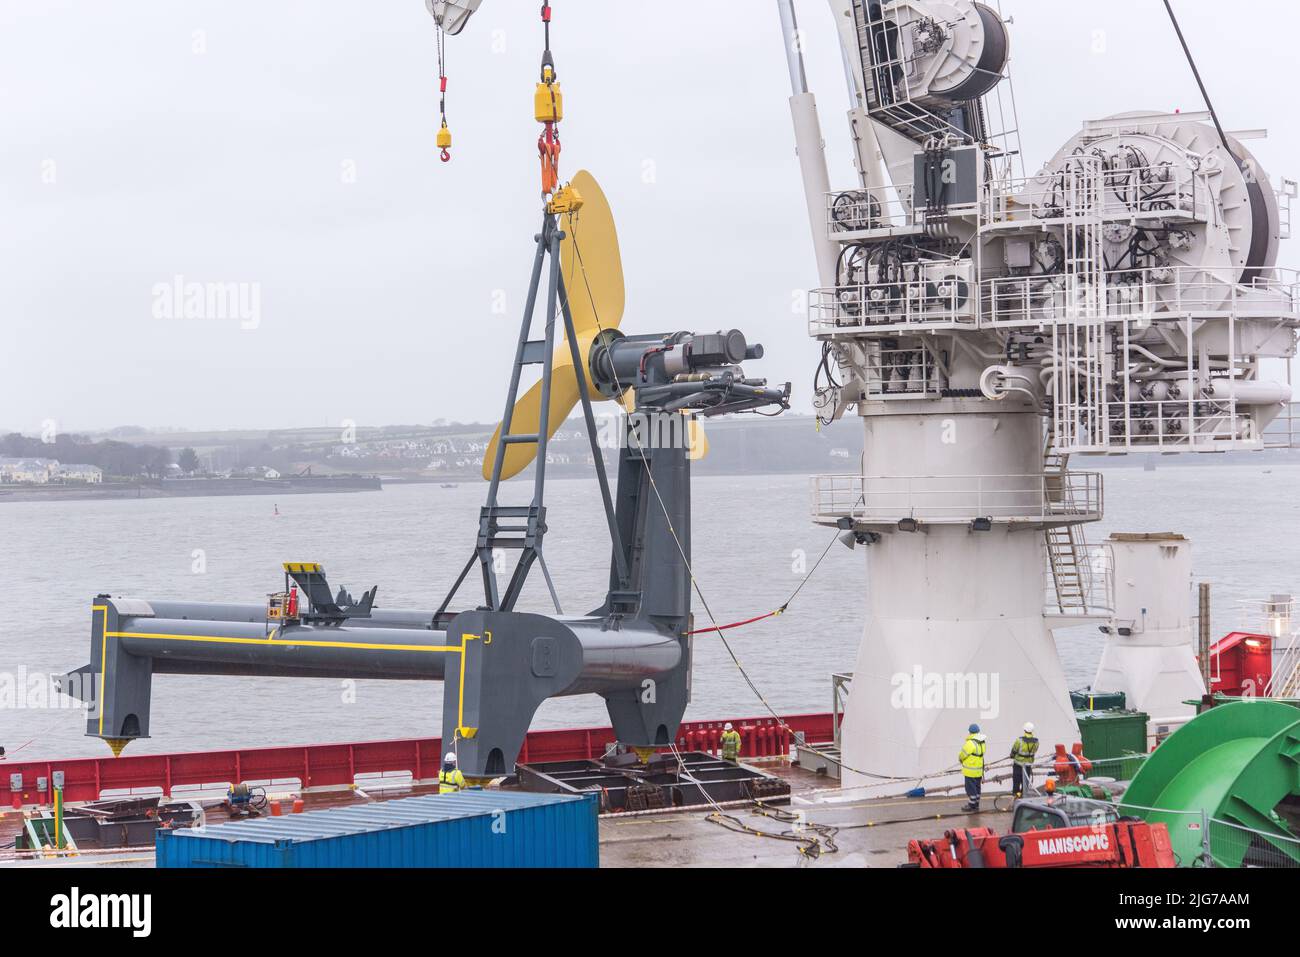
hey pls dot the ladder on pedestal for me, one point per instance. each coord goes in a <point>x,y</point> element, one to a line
<point>1066,549</point>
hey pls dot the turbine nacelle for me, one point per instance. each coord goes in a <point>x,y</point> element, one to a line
<point>681,372</point>
<point>686,372</point>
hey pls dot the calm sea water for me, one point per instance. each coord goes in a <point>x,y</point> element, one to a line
<point>411,540</point>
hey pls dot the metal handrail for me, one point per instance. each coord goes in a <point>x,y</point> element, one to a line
<point>841,309</point>
<point>1043,197</point>
<point>1170,191</point>
<point>869,208</point>
<point>1172,423</point>
<point>951,498</point>
<point>1155,294</point>
<point>1096,583</point>
<point>1286,667</point>
<point>1284,431</point>
<point>1148,295</point>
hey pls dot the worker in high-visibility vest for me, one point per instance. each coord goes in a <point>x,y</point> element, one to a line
<point>730,743</point>
<point>1023,750</point>
<point>971,757</point>
<point>450,779</point>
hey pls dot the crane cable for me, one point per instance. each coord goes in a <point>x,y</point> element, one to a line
<point>547,59</point>
<point>444,134</point>
<point>1205,94</point>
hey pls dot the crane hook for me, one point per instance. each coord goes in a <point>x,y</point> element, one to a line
<point>443,141</point>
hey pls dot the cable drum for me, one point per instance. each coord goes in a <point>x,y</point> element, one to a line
<point>855,210</point>
<point>1266,218</point>
<point>1200,210</point>
<point>956,51</point>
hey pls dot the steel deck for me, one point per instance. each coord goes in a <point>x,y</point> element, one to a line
<point>872,832</point>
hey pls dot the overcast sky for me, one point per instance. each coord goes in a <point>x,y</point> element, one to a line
<point>290,146</point>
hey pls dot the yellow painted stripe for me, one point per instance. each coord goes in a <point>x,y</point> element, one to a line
<point>285,642</point>
<point>103,659</point>
<point>460,705</point>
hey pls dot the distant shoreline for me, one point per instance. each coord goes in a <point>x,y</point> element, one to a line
<point>316,484</point>
<point>191,488</point>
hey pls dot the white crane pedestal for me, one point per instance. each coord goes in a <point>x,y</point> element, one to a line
<point>955,633</point>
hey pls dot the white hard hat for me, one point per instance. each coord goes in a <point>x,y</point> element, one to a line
<point>1029,727</point>
<point>451,757</point>
<point>727,726</point>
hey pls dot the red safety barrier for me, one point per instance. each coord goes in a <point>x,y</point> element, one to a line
<point>746,739</point>
<point>760,737</point>
<point>338,765</point>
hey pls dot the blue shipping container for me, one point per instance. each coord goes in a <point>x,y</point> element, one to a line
<point>468,829</point>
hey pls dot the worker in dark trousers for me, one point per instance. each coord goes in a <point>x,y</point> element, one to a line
<point>971,757</point>
<point>1023,750</point>
<point>450,780</point>
<point>730,743</point>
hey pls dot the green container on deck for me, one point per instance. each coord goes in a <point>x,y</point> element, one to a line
<point>1087,700</point>
<point>1114,741</point>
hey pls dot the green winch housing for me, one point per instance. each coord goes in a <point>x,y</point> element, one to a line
<point>1219,782</point>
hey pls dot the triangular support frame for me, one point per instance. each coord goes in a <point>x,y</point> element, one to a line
<point>523,528</point>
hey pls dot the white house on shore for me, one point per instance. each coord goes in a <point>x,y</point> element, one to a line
<point>259,471</point>
<point>37,471</point>
<point>89,474</point>
<point>26,471</point>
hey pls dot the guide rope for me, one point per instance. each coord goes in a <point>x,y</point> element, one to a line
<point>778,611</point>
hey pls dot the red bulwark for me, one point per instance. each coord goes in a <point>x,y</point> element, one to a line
<point>338,765</point>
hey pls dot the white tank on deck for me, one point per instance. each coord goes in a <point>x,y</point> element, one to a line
<point>1150,652</point>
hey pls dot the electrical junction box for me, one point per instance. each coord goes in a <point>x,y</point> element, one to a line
<point>953,180</point>
<point>1017,253</point>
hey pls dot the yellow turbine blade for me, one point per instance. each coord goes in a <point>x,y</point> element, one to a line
<point>589,259</point>
<point>527,415</point>
<point>698,439</point>
<point>593,278</point>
